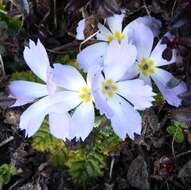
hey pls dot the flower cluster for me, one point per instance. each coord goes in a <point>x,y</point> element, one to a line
<point>120,70</point>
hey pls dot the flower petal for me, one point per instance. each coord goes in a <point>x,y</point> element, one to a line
<point>151,22</point>
<point>115,22</point>
<point>142,37</point>
<point>131,91</point>
<point>164,77</point>
<point>95,79</point>
<point>32,118</point>
<point>156,55</point>
<point>68,77</point>
<point>64,101</point>
<point>60,125</point>
<point>180,89</point>
<point>92,55</point>
<point>26,92</point>
<point>102,105</point>
<point>51,86</point>
<point>126,119</point>
<point>80,30</point>
<point>161,77</point>
<point>168,94</point>
<point>103,33</point>
<point>147,80</point>
<point>37,59</point>
<point>131,73</point>
<point>119,58</point>
<point>82,120</point>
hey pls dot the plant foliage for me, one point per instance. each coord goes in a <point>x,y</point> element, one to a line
<point>6,172</point>
<point>25,75</point>
<point>43,141</point>
<point>176,130</point>
<point>84,163</point>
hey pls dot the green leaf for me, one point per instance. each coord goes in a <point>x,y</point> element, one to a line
<point>43,141</point>
<point>13,23</point>
<point>6,172</point>
<point>90,161</point>
<point>82,166</point>
<point>176,131</point>
<point>63,59</point>
<point>25,75</point>
<point>106,140</point>
<point>99,120</point>
<point>109,186</point>
<point>2,6</point>
<point>59,157</point>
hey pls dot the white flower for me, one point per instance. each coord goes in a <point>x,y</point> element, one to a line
<point>94,54</point>
<point>76,96</point>
<point>117,99</point>
<point>149,61</point>
<point>42,94</point>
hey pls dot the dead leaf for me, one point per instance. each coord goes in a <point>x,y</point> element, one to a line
<point>6,102</point>
<point>185,171</point>
<point>181,115</point>
<point>138,174</point>
<point>12,117</point>
<point>150,122</point>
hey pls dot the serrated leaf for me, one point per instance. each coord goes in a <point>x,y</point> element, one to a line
<point>83,165</point>
<point>58,158</point>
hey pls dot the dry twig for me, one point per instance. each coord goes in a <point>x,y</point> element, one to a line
<point>6,141</point>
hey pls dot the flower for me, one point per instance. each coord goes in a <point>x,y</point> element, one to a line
<point>119,100</point>
<point>149,61</point>
<point>77,97</point>
<point>94,54</point>
<point>41,94</point>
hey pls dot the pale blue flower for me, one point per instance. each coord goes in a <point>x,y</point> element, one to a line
<point>148,65</point>
<point>41,94</point>
<point>94,54</point>
<point>76,97</point>
<point>120,99</point>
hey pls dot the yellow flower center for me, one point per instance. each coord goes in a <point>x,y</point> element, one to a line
<point>85,94</point>
<point>108,88</point>
<point>146,66</point>
<point>116,35</point>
